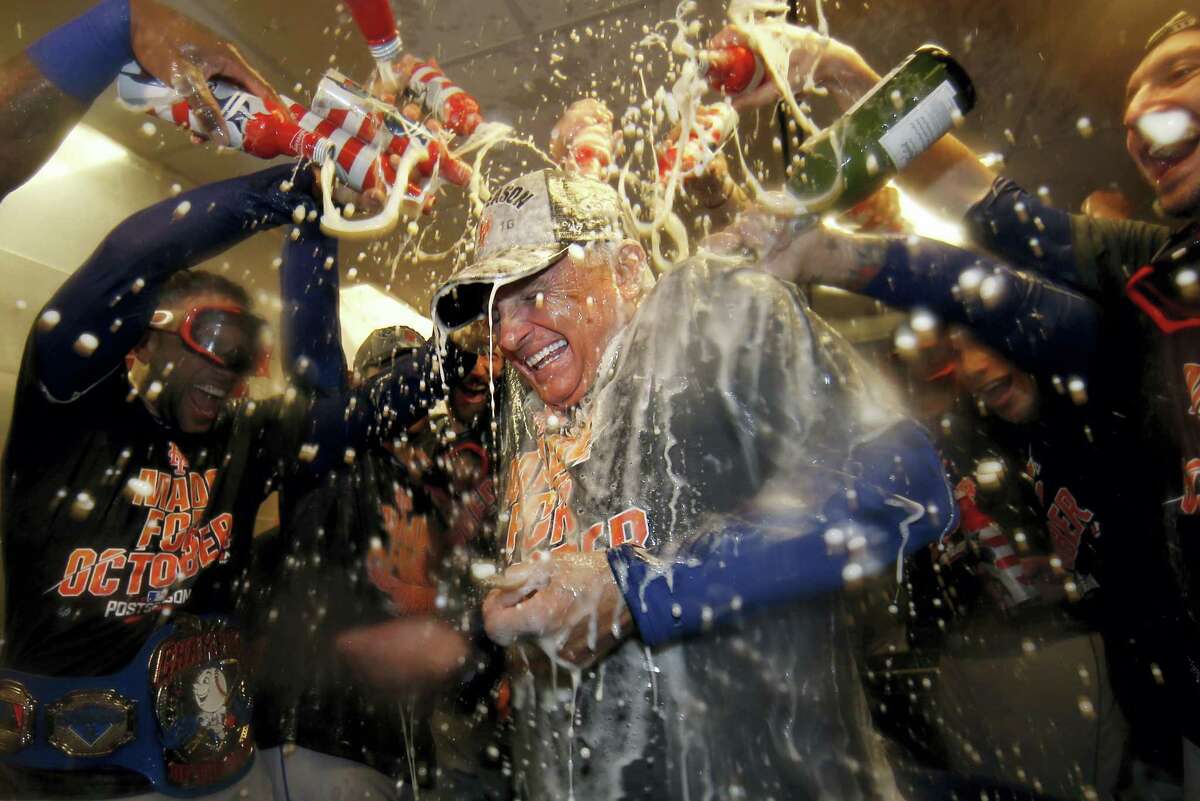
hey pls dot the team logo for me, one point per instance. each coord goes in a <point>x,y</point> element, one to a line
<point>202,703</point>
<point>179,462</point>
<point>1191,377</point>
<point>1067,522</point>
<point>91,723</point>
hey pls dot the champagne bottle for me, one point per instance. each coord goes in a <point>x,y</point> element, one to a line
<point>898,119</point>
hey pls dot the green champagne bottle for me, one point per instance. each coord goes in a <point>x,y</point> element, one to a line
<point>898,119</point>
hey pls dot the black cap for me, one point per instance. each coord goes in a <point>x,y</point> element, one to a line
<point>1180,22</point>
<point>384,344</point>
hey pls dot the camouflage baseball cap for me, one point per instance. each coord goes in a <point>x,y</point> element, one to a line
<point>1180,22</point>
<point>384,344</point>
<point>526,227</point>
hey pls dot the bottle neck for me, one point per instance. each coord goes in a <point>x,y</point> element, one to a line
<point>378,25</point>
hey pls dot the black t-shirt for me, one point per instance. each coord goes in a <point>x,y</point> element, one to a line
<point>313,582</point>
<point>369,543</point>
<point>109,518</point>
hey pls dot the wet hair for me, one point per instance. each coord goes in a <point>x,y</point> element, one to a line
<point>190,283</point>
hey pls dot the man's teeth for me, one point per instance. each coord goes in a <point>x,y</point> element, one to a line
<point>209,389</point>
<point>535,361</point>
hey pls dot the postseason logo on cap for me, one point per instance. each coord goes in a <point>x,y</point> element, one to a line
<point>525,228</point>
<point>518,214</point>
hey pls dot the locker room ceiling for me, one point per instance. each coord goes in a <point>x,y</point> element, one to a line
<point>1038,68</point>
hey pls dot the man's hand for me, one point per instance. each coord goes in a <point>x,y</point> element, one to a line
<point>569,601</point>
<point>403,654</point>
<point>801,249</point>
<point>832,65</point>
<point>184,54</point>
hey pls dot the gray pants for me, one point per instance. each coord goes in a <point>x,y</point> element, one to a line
<point>1191,771</point>
<point>1045,719</point>
<point>305,775</point>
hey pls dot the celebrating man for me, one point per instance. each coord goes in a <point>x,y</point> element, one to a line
<point>682,457</point>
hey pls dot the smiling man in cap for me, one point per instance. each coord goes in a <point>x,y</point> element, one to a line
<point>677,457</point>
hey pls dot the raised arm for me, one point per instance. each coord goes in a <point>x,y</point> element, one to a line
<point>102,311</point>
<point>1041,325</point>
<point>342,417</point>
<point>47,88</point>
<point>948,176</point>
<point>311,334</point>
<point>1069,248</point>
<point>1085,253</point>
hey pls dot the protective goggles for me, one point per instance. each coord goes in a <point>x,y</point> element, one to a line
<point>224,334</point>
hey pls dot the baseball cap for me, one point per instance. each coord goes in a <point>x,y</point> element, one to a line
<point>383,345</point>
<point>527,226</point>
<point>1180,22</point>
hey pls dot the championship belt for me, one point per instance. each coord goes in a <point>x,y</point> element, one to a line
<point>178,714</point>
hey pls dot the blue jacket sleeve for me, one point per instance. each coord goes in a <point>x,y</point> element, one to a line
<point>311,327</point>
<point>342,417</point>
<point>1043,327</point>
<point>900,501</point>
<point>102,311</point>
<point>1021,229</point>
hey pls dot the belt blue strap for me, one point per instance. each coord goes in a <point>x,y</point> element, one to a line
<point>178,714</point>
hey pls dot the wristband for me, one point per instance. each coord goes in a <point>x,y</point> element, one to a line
<point>83,56</point>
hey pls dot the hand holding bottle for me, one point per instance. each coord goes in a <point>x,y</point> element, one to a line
<point>833,65</point>
<point>185,55</point>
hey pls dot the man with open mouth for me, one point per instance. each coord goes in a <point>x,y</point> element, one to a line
<point>132,477</point>
<point>694,473</point>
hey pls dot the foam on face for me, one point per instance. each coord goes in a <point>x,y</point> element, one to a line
<point>1163,129</point>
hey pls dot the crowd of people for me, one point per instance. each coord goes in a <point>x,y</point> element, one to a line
<point>613,532</point>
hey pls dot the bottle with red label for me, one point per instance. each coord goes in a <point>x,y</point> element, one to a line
<point>340,103</point>
<point>711,127</point>
<point>901,117</point>
<point>263,131</point>
<point>429,88</point>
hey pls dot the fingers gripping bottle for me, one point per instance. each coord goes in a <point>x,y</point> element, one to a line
<point>259,130</point>
<point>900,118</point>
<point>428,86</point>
